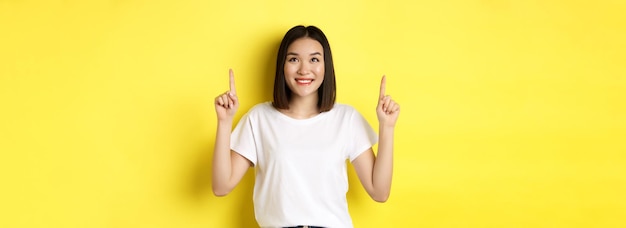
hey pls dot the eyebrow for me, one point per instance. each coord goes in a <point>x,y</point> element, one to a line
<point>296,54</point>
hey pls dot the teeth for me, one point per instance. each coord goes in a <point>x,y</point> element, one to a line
<point>304,80</point>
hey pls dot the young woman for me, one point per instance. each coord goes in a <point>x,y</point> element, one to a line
<point>299,143</point>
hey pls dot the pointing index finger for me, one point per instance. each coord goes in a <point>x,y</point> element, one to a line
<point>232,82</point>
<point>383,83</point>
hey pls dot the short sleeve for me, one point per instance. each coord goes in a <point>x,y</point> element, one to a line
<point>242,139</point>
<point>363,136</point>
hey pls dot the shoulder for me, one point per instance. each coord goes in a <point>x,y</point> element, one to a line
<point>261,109</point>
<point>343,111</point>
<point>343,108</point>
<point>348,116</point>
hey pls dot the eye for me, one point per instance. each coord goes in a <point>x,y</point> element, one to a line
<point>315,60</point>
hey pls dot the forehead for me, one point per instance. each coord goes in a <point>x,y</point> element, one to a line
<point>305,45</point>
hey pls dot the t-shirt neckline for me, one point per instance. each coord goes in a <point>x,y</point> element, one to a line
<point>294,120</point>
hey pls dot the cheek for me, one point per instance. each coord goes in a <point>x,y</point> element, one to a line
<point>289,69</point>
<point>320,69</point>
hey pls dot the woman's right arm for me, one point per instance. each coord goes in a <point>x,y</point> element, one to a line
<point>228,166</point>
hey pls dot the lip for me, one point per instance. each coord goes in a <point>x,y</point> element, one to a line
<point>304,81</point>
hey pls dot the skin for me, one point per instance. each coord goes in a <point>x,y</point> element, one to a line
<point>305,61</point>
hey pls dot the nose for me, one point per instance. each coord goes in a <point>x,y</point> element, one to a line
<point>304,68</point>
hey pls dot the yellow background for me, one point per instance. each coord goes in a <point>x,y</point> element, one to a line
<point>513,112</point>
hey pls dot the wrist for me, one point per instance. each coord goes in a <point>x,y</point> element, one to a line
<point>386,128</point>
<point>225,122</point>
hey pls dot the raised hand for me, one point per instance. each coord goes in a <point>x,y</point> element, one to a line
<point>226,104</point>
<point>387,109</point>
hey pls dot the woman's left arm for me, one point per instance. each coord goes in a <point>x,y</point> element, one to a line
<point>375,172</point>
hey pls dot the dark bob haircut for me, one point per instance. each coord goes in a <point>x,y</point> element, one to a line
<point>327,92</point>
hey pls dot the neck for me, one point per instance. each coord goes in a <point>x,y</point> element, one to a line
<point>302,107</point>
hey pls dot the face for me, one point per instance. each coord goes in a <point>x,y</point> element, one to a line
<point>304,67</point>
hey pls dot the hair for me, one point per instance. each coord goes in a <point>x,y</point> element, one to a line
<point>327,91</point>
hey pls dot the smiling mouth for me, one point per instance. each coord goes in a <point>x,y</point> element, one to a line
<point>304,81</point>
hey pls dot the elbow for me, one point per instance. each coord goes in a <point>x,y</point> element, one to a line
<point>220,192</point>
<point>381,198</point>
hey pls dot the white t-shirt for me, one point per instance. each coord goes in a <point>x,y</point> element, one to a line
<point>300,164</point>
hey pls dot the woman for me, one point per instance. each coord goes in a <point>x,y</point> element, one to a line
<point>299,143</point>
